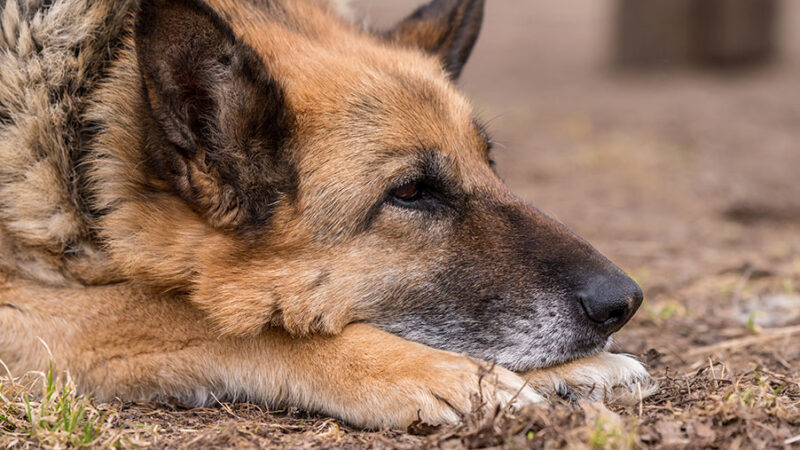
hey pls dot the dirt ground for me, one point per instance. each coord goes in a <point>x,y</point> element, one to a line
<point>690,180</point>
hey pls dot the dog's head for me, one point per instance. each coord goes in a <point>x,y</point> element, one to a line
<point>341,176</point>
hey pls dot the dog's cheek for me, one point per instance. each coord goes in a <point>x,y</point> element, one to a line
<point>310,288</point>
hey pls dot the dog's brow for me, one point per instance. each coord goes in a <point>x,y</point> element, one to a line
<point>432,165</point>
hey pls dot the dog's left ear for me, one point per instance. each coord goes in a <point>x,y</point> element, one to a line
<point>446,28</point>
<point>221,117</point>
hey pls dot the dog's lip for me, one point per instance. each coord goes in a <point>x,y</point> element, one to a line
<point>570,357</point>
<point>579,355</point>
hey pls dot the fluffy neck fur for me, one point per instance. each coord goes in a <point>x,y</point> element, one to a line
<point>78,204</point>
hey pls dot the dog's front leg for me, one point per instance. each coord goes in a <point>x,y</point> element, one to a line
<point>368,377</point>
<point>121,341</point>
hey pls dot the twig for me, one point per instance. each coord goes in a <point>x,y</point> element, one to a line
<point>713,374</point>
<point>781,361</point>
<point>768,335</point>
<point>641,399</point>
<point>225,407</point>
<point>792,440</point>
<point>519,391</point>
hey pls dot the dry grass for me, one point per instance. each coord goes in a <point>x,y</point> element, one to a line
<point>711,406</point>
<point>42,410</point>
<point>729,377</point>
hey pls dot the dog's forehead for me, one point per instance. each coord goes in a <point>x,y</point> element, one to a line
<point>391,119</point>
<point>385,101</point>
<point>349,85</point>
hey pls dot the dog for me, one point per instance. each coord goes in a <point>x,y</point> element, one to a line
<point>264,200</point>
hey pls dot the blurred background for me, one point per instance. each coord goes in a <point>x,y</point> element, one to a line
<point>666,132</point>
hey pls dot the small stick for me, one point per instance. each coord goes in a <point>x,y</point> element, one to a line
<point>225,407</point>
<point>713,374</point>
<point>641,399</point>
<point>768,335</point>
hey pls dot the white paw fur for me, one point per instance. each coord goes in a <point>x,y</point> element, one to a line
<point>603,376</point>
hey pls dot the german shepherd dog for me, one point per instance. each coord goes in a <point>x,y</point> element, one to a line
<point>264,200</point>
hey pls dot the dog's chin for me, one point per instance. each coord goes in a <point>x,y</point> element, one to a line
<point>546,358</point>
<point>511,346</point>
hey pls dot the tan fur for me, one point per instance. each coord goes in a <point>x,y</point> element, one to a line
<point>39,224</point>
<point>134,344</point>
<point>152,298</point>
<point>125,342</point>
<point>167,256</point>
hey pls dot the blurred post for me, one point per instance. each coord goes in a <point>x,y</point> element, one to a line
<point>653,32</point>
<point>735,31</point>
<point>709,32</point>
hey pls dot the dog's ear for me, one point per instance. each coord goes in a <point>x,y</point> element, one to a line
<point>219,118</point>
<point>446,28</point>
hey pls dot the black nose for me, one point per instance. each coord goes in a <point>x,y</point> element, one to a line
<point>610,301</point>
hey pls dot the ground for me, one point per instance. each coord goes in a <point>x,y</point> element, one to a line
<point>687,179</point>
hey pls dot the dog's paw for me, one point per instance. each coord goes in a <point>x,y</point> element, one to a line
<point>456,386</point>
<point>604,376</point>
<point>481,384</point>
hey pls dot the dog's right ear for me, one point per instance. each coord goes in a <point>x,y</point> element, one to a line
<point>220,117</point>
<point>445,28</point>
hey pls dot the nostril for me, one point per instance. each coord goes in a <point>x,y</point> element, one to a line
<point>609,302</point>
<point>594,311</point>
<point>615,315</point>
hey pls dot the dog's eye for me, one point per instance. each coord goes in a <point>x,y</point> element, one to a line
<point>408,192</point>
<point>418,195</point>
<point>415,195</point>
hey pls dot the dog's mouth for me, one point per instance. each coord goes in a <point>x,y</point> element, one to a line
<point>554,336</point>
<point>584,352</point>
<point>522,358</point>
<point>556,360</point>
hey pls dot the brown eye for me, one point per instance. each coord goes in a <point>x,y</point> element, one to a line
<point>407,192</point>
<point>417,195</point>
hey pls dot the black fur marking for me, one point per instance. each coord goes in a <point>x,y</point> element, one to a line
<point>431,172</point>
<point>87,131</point>
<point>148,9</point>
<point>5,119</point>
<point>467,32</point>
<point>503,288</point>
